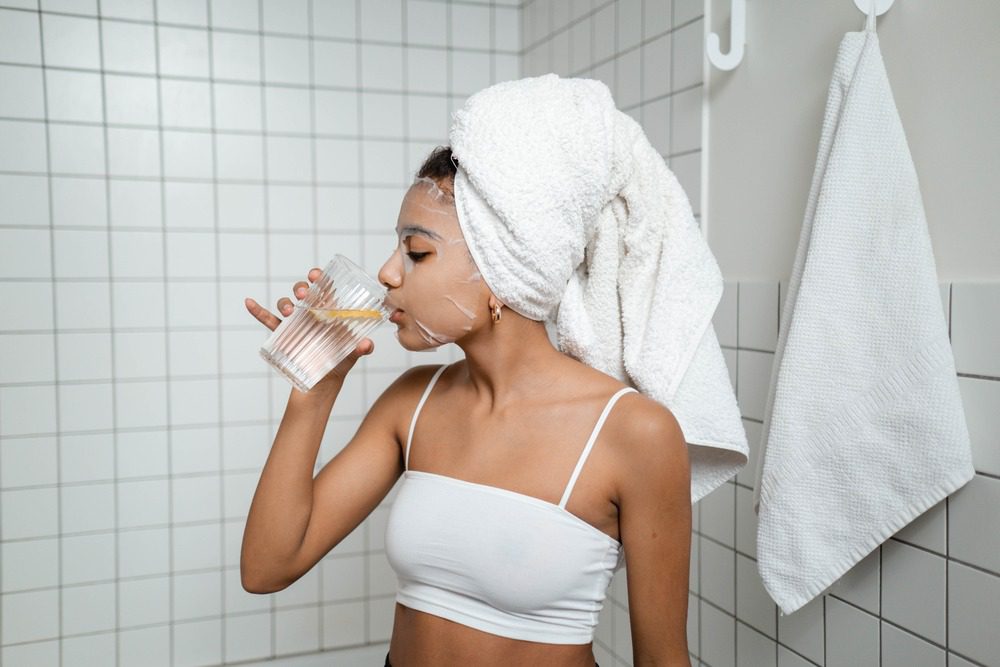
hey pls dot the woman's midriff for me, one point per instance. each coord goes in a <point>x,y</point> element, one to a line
<point>420,639</point>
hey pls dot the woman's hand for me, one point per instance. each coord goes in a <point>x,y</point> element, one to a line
<point>365,347</point>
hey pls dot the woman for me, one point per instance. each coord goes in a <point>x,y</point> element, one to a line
<point>514,414</point>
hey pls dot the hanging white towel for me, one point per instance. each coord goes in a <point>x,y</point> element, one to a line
<point>863,428</point>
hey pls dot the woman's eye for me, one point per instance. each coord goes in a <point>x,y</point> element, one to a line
<point>417,256</point>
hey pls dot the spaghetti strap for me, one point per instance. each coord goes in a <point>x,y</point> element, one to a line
<point>590,443</point>
<point>413,420</point>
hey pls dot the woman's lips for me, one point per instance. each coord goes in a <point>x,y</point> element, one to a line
<point>396,314</point>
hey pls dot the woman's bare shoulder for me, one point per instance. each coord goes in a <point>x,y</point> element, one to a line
<point>414,380</point>
<point>398,400</point>
<point>645,433</point>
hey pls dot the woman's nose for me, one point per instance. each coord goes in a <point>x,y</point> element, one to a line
<point>390,274</point>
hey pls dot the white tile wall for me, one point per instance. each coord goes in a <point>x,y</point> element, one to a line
<point>160,160</point>
<point>877,613</point>
<point>188,164</point>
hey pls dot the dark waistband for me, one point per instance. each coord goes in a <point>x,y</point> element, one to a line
<point>389,664</point>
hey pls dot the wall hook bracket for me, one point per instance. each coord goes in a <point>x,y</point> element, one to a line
<point>737,39</point>
<point>881,6</point>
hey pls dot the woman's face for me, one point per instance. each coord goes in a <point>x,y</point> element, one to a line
<point>430,275</point>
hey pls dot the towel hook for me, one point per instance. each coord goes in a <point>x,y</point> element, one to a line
<point>881,6</point>
<point>737,39</point>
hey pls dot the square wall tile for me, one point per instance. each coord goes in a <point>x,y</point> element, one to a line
<point>860,585</point>
<point>197,595</point>
<point>25,253</point>
<point>297,630</point>
<point>144,601</point>
<point>927,530</point>
<point>753,603</point>
<point>335,64</point>
<point>718,574</point>
<point>902,649</point>
<point>249,637</point>
<point>974,523</point>
<point>80,253</point>
<point>975,317</point>
<point>142,454</point>
<point>27,410</point>
<point>24,200</point>
<point>286,59</point>
<point>758,316</point>
<point>88,558</point>
<point>30,564</point>
<point>718,630</point>
<point>20,37</point>
<point>28,461</point>
<point>77,149</point>
<point>852,635</point>
<point>919,609</point>
<point>685,121</point>
<point>381,66</point>
<point>803,630</point>
<point>186,103</point>
<point>235,14</point>
<point>74,96</point>
<point>145,551</point>
<point>236,56</point>
<point>973,612</point>
<point>86,457</point>
<point>688,51</point>
<point>22,146</point>
<point>141,10</point>
<point>128,47</point>
<point>980,399</point>
<point>193,12</point>
<point>754,381</point>
<point>718,514</point>
<point>753,648</point>
<point>288,16</point>
<point>381,20</point>
<point>183,52</point>
<point>88,507</point>
<point>30,616</point>
<point>71,41</point>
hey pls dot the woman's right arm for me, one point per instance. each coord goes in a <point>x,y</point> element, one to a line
<point>294,519</point>
<point>284,537</point>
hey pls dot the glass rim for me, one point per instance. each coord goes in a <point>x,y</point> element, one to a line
<point>369,282</point>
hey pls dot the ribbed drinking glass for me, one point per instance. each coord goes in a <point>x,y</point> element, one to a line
<point>344,305</point>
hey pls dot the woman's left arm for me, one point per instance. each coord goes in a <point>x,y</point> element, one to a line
<point>655,525</point>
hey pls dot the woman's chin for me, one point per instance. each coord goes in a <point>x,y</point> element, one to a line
<point>414,342</point>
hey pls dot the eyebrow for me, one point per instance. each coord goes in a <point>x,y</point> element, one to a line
<point>423,231</point>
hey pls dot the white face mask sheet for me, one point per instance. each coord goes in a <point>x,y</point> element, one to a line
<point>442,290</point>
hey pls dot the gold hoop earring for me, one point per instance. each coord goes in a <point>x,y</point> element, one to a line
<point>496,313</point>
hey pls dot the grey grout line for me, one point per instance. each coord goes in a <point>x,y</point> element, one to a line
<point>206,27</point>
<point>359,78</point>
<point>291,85</point>
<point>198,180</point>
<point>314,202</point>
<point>166,338</point>
<point>111,343</point>
<point>55,347</point>
<point>272,605</point>
<point>220,439</point>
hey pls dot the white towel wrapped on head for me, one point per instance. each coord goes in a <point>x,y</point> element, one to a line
<point>572,216</point>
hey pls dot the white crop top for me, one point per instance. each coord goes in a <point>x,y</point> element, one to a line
<point>496,560</point>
